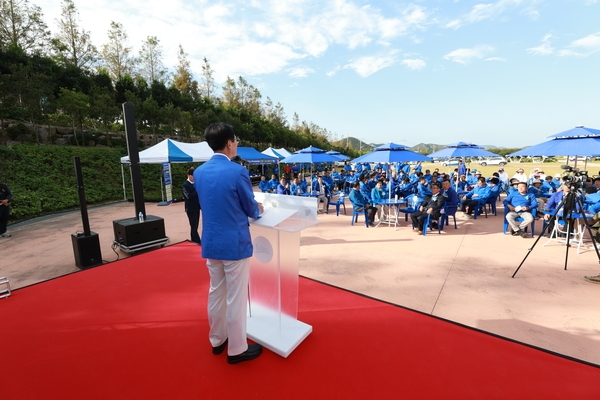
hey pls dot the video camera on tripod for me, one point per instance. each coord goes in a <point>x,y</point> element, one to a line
<point>574,177</point>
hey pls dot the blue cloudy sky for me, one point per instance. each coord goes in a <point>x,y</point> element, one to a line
<point>506,72</point>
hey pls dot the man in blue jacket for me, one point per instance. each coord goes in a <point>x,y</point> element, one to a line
<point>359,203</point>
<point>478,195</point>
<point>226,205</point>
<point>520,204</point>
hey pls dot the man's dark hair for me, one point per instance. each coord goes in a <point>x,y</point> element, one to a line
<point>190,171</point>
<point>597,178</point>
<point>481,179</point>
<point>436,184</point>
<point>495,180</point>
<point>218,134</point>
<point>356,185</point>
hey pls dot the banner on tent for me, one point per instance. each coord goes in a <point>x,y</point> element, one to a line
<point>167,180</point>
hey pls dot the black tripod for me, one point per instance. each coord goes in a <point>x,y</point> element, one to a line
<point>570,200</point>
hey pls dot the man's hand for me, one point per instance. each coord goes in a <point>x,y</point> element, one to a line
<point>430,210</point>
<point>261,209</point>
<point>4,202</point>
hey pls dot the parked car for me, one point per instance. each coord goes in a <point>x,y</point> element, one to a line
<point>493,161</point>
<point>450,162</point>
<point>580,158</point>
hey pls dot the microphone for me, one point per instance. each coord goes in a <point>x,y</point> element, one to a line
<point>566,167</point>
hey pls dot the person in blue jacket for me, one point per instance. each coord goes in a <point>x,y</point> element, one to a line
<point>359,203</point>
<point>274,182</point>
<point>264,185</point>
<point>423,188</point>
<point>520,204</point>
<point>478,195</point>
<point>283,187</point>
<point>226,205</point>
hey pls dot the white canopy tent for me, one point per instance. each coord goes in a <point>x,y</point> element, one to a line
<point>173,151</point>
<point>170,151</point>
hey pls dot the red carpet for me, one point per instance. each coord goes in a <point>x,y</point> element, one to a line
<point>137,329</point>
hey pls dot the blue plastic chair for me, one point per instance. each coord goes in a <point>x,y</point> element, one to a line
<point>413,202</point>
<point>355,214</point>
<point>532,225</point>
<point>341,201</point>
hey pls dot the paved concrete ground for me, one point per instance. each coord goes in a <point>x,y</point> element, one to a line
<point>463,275</point>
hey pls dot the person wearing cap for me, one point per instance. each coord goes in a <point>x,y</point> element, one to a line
<point>532,174</point>
<point>520,204</point>
<point>520,175</point>
<point>478,195</point>
<point>536,190</point>
<point>432,206</point>
<point>557,181</point>
<point>547,186</point>
<point>472,177</point>
<point>514,182</point>
<point>427,176</point>
<point>503,176</point>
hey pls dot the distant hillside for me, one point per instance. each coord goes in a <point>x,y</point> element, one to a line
<point>355,144</point>
<point>427,148</point>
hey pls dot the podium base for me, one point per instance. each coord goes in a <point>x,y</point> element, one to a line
<point>280,336</point>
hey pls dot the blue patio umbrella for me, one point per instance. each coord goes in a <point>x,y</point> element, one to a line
<point>310,155</point>
<point>575,142</point>
<point>462,149</point>
<point>339,155</point>
<point>391,153</point>
<point>578,131</point>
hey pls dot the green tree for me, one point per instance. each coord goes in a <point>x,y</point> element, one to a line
<point>72,43</point>
<point>183,79</point>
<point>151,67</point>
<point>242,96</point>
<point>76,105</point>
<point>116,54</point>
<point>22,25</point>
<point>208,81</point>
<point>104,108</point>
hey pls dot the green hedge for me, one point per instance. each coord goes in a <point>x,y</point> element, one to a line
<point>42,178</point>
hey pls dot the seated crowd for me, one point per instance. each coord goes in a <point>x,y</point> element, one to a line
<point>368,186</point>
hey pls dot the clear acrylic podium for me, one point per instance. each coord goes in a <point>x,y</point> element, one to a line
<point>273,303</point>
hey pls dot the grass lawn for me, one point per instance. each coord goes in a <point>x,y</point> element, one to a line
<point>511,168</point>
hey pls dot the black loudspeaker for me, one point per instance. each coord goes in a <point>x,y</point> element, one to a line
<point>87,250</point>
<point>131,232</point>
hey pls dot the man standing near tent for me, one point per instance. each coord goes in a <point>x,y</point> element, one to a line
<point>226,205</point>
<point>5,198</point>
<point>192,205</point>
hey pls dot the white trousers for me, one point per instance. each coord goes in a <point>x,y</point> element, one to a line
<point>227,303</point>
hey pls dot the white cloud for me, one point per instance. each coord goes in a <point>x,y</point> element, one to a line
<point>333,71</point>
<point>465,56</point>
<point>481,12</point>
<point>496,59</point>
<point>366,66</point>
<point>414,64</point>
<point>582,47</point>
<point>590,42</point>
<point>301,72</point>
<point>544,49</point>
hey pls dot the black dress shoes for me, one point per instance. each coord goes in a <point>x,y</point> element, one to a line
<point>253,351</point>
<point>219,349</point>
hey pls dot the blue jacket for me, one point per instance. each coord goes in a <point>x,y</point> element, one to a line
<point>264,186</point>
<point>451,196</point>
<point>516,199</point>
<point>357,199</point>
<point>482,192</point>
<point>226,204</point>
